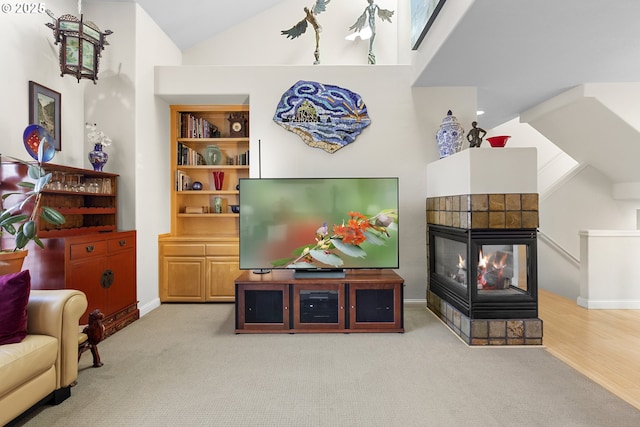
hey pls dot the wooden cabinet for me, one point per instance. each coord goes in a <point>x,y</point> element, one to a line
<point>86,252</point>
<point>199,257</point>
<point>362,301</point>
<point>103,266</point>
<point>86,198</point>
<point>196,269</point>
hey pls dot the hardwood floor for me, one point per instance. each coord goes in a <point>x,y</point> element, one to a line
<point>604,345</point>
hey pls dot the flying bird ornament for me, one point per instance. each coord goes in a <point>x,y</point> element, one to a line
<point>310,18</point>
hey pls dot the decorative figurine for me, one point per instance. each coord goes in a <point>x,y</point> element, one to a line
<point>384,14</point>
<point>300,28</point>
<point>450,136</point>
<point>475,135</point>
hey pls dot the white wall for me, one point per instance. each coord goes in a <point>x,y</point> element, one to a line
<point>151,155</point>
<point>259,40</point>
<point>124,106</point>
<point>399,142</point>
<point>28,53</point>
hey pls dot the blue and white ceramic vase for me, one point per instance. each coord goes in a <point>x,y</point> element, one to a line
<point>98,158</point>
<point>450,136</point>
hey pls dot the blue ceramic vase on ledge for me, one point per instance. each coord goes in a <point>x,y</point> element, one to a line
<point>98,158</point>
<point>449,136</point>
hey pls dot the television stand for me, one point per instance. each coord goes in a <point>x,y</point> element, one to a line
<point>278,302</point>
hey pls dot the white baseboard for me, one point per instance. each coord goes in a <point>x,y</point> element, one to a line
<point>608,304</point>
<point>149,307</point>
<point>416,301</point>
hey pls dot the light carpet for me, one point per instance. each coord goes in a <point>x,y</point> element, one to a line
<point>183,365</point>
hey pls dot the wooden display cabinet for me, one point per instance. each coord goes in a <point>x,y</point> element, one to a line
<point>199,257</point>
<point>86,198</point>
<point>278,302</point>
<point>87,252</point>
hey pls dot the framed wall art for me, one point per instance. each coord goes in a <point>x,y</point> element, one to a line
<point>423,13</point>
<point>45,109</point>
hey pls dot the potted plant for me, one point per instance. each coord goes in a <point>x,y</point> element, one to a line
<point>20,218</point>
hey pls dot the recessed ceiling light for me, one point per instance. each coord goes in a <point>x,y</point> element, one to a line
<point>479,112</point>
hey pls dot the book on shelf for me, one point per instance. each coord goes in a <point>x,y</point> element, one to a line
<point>188,156</point>
<point>183,181</point>
<point>197,127</point>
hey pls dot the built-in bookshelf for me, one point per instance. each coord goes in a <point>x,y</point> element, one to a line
<point>199,257</point>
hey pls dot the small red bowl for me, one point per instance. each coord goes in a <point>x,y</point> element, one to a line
<point>498,141</point>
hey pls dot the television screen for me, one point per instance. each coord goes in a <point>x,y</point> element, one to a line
<point>319,223</point>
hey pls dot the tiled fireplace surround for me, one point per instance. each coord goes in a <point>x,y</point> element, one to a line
<point>484,211</point>
<point>492,189</point>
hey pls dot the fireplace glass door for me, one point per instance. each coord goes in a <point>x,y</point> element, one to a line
<point>502,269</point>
<point>450,261</point>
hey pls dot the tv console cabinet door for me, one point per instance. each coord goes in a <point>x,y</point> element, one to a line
<point>262,307</point>
<point>375,306</point>
<point>318,306</point>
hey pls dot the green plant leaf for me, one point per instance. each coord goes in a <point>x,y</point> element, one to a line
<point>29,229</point>
<point>374,238</point>
<point>53,216</point>
<point>12,220</point>
<point>347,249</point>
<point>38,241</point>
<point>326,258</point>
<point>21,240</point>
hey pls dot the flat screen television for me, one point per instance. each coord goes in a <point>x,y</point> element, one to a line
<point>318,226</point>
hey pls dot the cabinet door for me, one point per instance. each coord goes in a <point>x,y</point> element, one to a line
<point>221,273</point>
<point>85,275</point>
<point>262,307</point>
<point>182,279</point>
<point>375,306</point>
<point>318,306</point>
<point>122,291</point>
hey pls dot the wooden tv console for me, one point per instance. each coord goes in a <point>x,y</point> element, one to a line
<point>362,301</point>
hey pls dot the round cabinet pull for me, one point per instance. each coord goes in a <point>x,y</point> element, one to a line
<point>122,242</point>
<point>106,280</point>
<point>89,248</point>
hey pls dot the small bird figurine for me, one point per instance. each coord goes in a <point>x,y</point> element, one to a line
<point>300,28</point>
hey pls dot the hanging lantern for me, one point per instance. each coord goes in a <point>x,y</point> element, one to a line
<point>81,45</point>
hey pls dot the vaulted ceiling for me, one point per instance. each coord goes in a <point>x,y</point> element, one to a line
<point>517,53</point>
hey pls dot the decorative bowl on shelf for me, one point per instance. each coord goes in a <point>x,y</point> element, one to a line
<point>498,141</point>
<point>235,208</point>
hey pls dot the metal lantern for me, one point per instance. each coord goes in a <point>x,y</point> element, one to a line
<point>81,45</point>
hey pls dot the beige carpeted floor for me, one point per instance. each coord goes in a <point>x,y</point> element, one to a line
<point>183,365</point>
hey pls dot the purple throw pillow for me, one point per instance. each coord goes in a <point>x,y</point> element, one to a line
<point>14,296</point>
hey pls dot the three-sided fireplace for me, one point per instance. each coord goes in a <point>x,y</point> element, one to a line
<point>482,255</point>
<point>485,274</point>
<point>482,221</point>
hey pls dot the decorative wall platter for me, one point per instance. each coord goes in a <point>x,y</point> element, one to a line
<point>324,116</point>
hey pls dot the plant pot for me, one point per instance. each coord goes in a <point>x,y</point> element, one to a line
<point>11,262</point>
